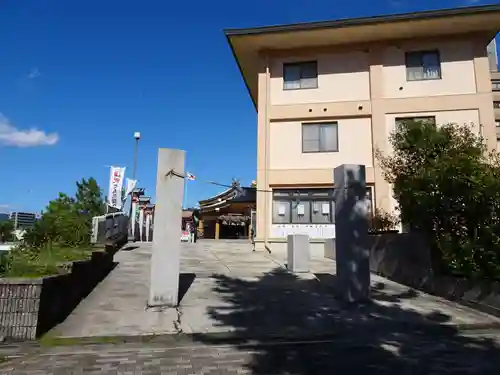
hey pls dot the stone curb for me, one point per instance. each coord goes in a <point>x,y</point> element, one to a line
<point>248,339</point>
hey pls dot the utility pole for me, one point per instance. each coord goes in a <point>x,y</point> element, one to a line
<point>131,231</point>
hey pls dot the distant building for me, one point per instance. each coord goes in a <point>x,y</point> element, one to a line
<point>491,49</point>
<point>495,85</point>
<point>228,214</point>
<point>23,219</point>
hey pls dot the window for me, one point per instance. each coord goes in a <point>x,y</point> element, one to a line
<point>303,206</point>
<point>321,211</point>
<point>306,206</point>
<point>426,119</point>
<point>497,124</point>
<point>495,85</point>
<point>281,211</point>
<point>301,212</point>
<point>320,137</point>
<point>496,105</point>
<point>423,65</point>
<point>302,75</point>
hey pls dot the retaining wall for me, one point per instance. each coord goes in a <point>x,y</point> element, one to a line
<point>405,258</point>
<point>31,307</point>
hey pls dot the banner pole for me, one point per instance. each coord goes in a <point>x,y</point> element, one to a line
<point>184,201</point>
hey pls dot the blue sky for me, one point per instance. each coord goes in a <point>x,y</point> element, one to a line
<point>87,74</point>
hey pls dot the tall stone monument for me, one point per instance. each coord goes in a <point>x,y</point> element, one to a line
<point>165,260</point>
<point>351,231</point>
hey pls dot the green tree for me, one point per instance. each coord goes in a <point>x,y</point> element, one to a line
<point>67,220</point>
<point>89,198</point>
<point>448,189</point>
<point>41,235</point>
<point>63,203</point>
<point>6,230</point>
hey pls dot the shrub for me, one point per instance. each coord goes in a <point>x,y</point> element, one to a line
<point>383,221</point>
<point>25,261</point>
<point>448,189</point>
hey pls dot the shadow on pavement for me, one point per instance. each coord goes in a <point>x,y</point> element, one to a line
<point>129,248</point>
<point>185,282</point>
<point>324,335</point>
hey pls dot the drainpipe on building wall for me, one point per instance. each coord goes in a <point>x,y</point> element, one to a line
<point>266,140</point>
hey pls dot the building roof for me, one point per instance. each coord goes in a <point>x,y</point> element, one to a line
<point>247,44</point>
<point>229,196</point>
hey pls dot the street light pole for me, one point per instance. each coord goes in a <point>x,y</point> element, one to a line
<point>137,137</point>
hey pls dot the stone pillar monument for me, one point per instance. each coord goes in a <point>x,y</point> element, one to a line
<point>298,253</point>
<point>351,231</point>
<point>165,260</point>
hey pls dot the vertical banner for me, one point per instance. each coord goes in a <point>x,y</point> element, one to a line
<point>131,184</point>
<point>189,177</point>
<point>115,187</point>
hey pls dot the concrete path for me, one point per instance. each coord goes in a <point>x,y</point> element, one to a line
<point>228,288</point>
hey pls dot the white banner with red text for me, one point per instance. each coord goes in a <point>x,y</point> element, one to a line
<point>116,178</point>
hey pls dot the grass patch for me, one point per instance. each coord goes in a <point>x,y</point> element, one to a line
<point>52,260</point>
<point>49,340</point>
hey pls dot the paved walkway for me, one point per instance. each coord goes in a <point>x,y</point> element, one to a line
<point>230,288</point>
<point>408,353</point>
<point>235,289</point>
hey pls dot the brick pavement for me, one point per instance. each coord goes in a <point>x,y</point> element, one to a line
<point>405,353</point>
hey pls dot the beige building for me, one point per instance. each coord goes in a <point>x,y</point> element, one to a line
<point>495,84</point>
<point>330,93</point>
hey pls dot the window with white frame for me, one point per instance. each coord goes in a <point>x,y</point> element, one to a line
<point>495,85</point>
<point>300,75</point>
<point>322,137</point>
<point>307,206</point>
<point>423,65</point>
<point>496,105</point>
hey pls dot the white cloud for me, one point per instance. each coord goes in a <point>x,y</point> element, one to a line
<point>12,136</point>
<point>34,73</point>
